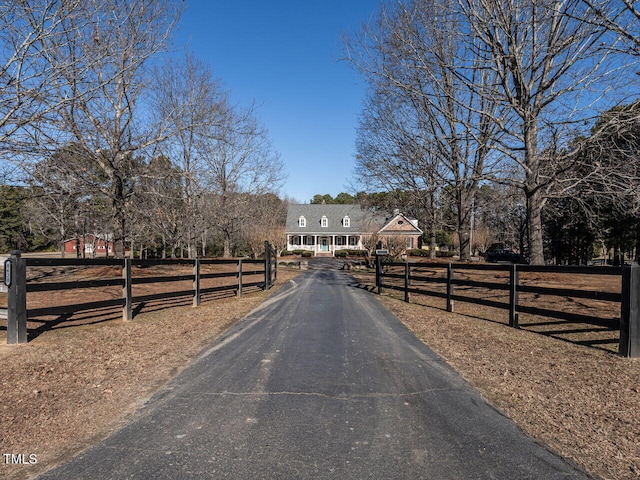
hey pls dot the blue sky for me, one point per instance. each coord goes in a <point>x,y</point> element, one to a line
<point>284,56</point>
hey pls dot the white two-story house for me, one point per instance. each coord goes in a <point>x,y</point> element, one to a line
<point>325,229</point>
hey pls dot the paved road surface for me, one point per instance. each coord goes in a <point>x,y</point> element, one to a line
<point>320,382</point>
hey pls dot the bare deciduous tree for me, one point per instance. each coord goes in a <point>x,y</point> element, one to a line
<point>266,221</point>
<point>101,64</point>
<point>160,205</point>
<point>484,90</point>
<point>239,162</point>
<point>55,196</point>
<point>552,70</point>
<point>28,29</point>
<point>427,127</point>
<point>396,244</point>
<point>186,91</point>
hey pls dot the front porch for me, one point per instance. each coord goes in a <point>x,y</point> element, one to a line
<point>325,245</point>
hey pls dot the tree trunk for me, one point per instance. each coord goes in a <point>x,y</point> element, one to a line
<point>464,232</point>
<point>227,245</point>
<point>119,217</point>
<point>432,244</point>
<point>637,246</point>
<point>465,243</point>
<point>532,191</point>
<point>534,224</point>
<point>63,233</point>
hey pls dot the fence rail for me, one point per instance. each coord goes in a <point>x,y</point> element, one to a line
<point>440,280</point>
<point>15,277</point>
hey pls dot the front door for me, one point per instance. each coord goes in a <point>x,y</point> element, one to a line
<point>324,244</point>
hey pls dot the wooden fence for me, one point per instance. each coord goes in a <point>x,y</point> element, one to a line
<point>247,274</point>
<point>440,280</point>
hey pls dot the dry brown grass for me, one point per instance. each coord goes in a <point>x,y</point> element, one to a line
<point>79,381</point>
<point>562,383</point>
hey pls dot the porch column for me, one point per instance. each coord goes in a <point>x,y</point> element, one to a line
<point>315,245</point>
<point>333,244</point>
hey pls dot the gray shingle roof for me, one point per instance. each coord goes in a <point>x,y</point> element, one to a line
<point>360,220</point>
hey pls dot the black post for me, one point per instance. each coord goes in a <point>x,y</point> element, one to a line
<point>275,265</point>
<point>406,282</point>
<point>379,273</point>
<point>127,310</point>
<point>630,312</point>
<point>514,281</point>
<point>15,276</point>
<point>196,283</point>
<point>267,265</point>
<point>450,288</point>
<point>239,278</point>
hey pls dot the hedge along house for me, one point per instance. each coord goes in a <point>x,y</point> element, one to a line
<point>324,229</point>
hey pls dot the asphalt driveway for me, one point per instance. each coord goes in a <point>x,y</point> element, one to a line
<point>320,382</point>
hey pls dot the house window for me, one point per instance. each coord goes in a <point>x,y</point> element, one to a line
<point>295,241</point>
<point>309,240</point>
<point>324,222</point>
<point>346,222</point>
<point>302,222</point>
<point>409,242</point>
<point>339,241</point>
<point>353,241</point>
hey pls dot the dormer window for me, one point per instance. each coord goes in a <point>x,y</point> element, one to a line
<point>302,222</point>
<point>346,222</point>
<point>324,222</point>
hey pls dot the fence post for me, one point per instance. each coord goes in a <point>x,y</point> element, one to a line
<point>630,312</point>
<point>196,283</point>
<point>239,294</point>
<point>379,273</point>
<point>450,287</point>
<point>406,282</point>
<point>514,281</point>
<point>15,275</point>
<point>127,311</point>
<point>275,266</point>
<point>267,265</point>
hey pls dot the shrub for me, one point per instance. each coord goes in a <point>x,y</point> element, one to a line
<point>417,252</point>
<point>341,253</point>
<point>441,254</point>
<point>306,254</point>
<point>357,253</point>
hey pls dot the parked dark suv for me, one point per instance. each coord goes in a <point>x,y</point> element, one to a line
<point>504,256</point>
<point>499,253</point>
